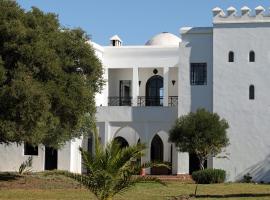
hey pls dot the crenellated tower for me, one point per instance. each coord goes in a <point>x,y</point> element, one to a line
<point>246,15</point>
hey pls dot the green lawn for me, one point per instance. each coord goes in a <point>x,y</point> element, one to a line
<point>50,187</point>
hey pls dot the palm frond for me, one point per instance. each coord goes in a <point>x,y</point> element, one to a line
<point>111,170</point>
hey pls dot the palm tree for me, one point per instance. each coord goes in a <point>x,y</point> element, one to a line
<point>111,170</point>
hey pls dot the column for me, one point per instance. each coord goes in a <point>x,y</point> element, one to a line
<point>106,86</point>
<point>182,163</point>
<point>135,85</point>
<point>102,98</point>
<point>145,140</point>
<point>104,132</point>
<point>165,86</point>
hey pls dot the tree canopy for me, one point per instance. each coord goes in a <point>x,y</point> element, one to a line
<point>202,133</point>
<point>48,78</point>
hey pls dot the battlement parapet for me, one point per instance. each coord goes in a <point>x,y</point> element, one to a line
<point>246,15</point>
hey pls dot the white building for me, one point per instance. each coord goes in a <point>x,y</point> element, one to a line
<point>224,68</point>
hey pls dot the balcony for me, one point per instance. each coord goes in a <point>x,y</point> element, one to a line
<point>120,101</point>
<point>149,101</point>
<point>142,101</point>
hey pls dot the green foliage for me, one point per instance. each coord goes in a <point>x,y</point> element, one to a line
<point>43,99</point>
<point>247,178</point>
<point>26,166</point>
<point>209,176</point>
<point>111,170</point>
<point>202,133</point>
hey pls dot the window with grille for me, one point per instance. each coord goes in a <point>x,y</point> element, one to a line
<point>198,74</point>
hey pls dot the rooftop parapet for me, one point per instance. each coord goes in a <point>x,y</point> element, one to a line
<point>244,16</point>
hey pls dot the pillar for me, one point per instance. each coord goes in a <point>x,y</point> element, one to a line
<point>135,85</point>
<point>183,163</point>
<point>180,163</point>
<point>165,86</point>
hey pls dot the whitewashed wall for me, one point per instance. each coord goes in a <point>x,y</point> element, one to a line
<point>196,47</point>
<point>248,119</point>
<point>12,156</point>
<point>133,123</point>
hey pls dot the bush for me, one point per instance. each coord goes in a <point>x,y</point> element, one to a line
<point>247,178</point>
<point>209,176</point>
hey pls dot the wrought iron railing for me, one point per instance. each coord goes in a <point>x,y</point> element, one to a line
<point>142,101</point>
<point>120,101</point>
<point>149,101</point>
<point>173,101</point>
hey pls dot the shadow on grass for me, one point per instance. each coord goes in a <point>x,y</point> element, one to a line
<point>8,176</point>
<point>234,195</point>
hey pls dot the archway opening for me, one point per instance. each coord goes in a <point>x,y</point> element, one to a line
<point>127,136</point>
<point>157,155</point>
<point>121,141</point>
<point>154,91</point>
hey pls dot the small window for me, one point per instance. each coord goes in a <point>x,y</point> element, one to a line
<point>30,149</point>
<point>251,92</point>
<point>252,56</point>
<point>231,56</point>
<point>198,74</point>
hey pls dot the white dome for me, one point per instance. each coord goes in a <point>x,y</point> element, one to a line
<point>164,39</point>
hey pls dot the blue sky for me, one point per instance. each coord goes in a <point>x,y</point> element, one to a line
<point>135,21</point>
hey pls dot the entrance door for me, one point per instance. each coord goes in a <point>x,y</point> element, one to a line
<point>157,156</point>
<point>50,158</point>
<point>125,90</point>
<point>154,91</point>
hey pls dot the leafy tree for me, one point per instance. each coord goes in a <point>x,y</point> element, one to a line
<point>111,170</point>
<point>202,133</point>
<point>48,78</point>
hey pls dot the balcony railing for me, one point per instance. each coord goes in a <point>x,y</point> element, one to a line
<point>142,101</point>
<point>173,101</point>
<point>120,101</point>
<point>149,101</point>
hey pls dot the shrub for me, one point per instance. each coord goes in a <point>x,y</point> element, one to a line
<point>209,176</point>
<point>247,178</point>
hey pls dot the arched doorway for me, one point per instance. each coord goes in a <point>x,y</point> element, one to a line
<point>157,155</point>
<point>154,91</point>
<point>121,141</point>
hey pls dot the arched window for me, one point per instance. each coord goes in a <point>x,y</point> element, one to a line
<point>251,56</point>
<point>231,56</point>
<point>251,92</point>
<point>154,91</point>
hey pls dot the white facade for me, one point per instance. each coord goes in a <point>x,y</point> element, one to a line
<point>149,86</point>
<point>67,158</point>
<point>226,90</point>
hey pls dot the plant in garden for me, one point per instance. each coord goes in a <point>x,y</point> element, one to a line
<point>202,133</point>
<point>26,166</point>
<point>209,176</point>
<point>111,170</point>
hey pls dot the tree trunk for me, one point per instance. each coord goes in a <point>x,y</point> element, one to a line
<point>202,164</point>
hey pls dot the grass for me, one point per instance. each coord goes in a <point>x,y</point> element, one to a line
<point>50,186</point>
